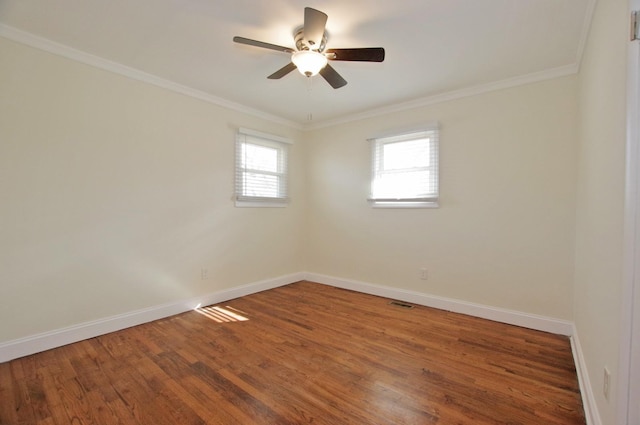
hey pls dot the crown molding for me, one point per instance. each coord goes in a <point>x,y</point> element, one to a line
<point>478,89</point>
<point>62,50</point>
<point>58,49</point>
<point>452,95</point>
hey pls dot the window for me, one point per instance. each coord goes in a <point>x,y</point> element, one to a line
<point>405,170</point>
<point>261,169</point>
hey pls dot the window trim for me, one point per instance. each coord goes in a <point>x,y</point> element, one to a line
<point>402,136</point>
<point>261,139</point>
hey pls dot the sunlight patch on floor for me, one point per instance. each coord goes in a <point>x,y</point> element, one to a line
<point>222,314</point>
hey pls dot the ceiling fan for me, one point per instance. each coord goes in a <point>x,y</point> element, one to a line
<point>310,56</point>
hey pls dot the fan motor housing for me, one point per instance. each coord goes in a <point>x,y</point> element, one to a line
<point>302,44</point>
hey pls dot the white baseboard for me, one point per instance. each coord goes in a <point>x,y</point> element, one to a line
<point>586,390</point>
<point>512,317</point>
<point>45,341</point>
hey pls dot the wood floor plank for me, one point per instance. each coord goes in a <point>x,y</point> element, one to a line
<point>308,353</point>
<point>8,407</point>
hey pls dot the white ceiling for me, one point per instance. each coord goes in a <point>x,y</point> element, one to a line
<point>433,47</point>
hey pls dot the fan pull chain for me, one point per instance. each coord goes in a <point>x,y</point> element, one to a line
<point>310,92</point>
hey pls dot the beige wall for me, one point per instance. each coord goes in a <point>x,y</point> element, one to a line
<point>600,196</point>
<point>504,234</point>
<point>116,193</point>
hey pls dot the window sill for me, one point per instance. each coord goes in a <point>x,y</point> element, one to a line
<point>249,204</point>
<point>404,205</point>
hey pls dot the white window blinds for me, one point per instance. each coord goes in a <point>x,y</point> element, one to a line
<point>261,168</point>
<point>405,169</point>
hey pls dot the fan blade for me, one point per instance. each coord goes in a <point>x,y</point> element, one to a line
<point>314,23</point>
<point>282,71</point>
<point>332,77</point>
<point>367,54</point>
<point>262,44</point>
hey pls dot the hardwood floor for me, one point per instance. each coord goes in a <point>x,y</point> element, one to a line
<point>308,353</point>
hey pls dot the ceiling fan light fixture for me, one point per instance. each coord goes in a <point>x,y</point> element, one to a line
<point>309,55</point>
<point>309,62</point>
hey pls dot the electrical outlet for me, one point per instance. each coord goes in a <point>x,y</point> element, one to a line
<point>423,274</point>
<point>606,383</point>
<point>204,274</point>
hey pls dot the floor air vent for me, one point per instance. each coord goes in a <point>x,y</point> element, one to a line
<point>401,304</point>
